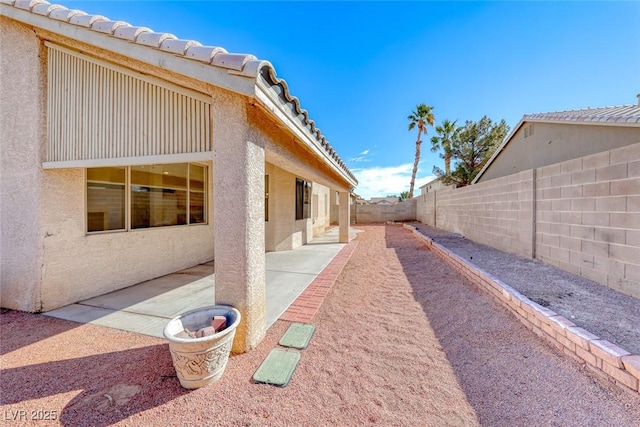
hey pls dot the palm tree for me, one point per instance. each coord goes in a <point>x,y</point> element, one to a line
<point>446,133</point>
<point>420,118</point>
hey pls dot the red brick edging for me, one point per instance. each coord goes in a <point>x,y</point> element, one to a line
<point>600,356</point>
<point>305,307</point>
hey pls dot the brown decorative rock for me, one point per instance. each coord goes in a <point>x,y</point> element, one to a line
<point>219,323</point>
<point>206,332</point>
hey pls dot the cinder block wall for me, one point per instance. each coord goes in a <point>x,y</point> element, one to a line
<point>588,217</point>
<point>426,208</point>
<point>498,213</point>
<point>403,211</point>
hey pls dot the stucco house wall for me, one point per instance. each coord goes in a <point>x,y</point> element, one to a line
<point>81,91</point>
<point>48,259</point>
<point>77,265</point>
<point>320,208</point>
<point>23,124</point>
<point>552,143</point>
<point>283,231</point>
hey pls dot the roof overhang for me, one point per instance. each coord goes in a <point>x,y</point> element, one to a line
<point>239,73</point>
<point>243,84</point>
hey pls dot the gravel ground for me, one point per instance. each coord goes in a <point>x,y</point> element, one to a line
<point>401,340</point>
<point>609,314</point>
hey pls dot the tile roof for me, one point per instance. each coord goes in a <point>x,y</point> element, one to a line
<point>234,63</point>
<point>621,115</point>
<point>618,114</point>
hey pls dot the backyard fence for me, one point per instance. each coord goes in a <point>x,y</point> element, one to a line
<point>581,215</point>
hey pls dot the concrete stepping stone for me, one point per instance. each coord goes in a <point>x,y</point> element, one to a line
<point>298,335</point>
<point>278,367</point>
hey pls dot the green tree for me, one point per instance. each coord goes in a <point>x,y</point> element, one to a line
<point>471,148</point>
<point>420,118</point>
<point>404,196</point>
<point>446,133</point>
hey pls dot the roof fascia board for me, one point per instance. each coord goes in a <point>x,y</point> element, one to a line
<point>126,161</point>
<point>244,85</point>
<point>269,100</point>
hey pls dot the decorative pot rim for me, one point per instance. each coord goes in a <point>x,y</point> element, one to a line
<point>229,329</point>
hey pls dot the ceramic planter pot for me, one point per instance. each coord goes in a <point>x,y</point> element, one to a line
<point>201,361</point>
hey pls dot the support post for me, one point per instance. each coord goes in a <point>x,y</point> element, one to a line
<point>239,231</point>
<point>344,217</point>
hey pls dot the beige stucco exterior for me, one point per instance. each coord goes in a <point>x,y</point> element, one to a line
<point>283,231</point>
<point>552,143</point>
<point>48,259</point>
<point>22,130</point>
<point>77,265</point>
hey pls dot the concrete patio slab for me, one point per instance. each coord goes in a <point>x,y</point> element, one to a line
<point>165,296</point>
<point>118,319</point>
<point>146,307</point>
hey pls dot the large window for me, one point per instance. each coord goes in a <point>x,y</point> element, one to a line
<point>303,199</point>
<point>159,196</point>
<point>106,194</point>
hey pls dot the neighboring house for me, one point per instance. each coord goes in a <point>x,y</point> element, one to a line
<point>543,139</point>
<point>384,200</point>
<point>129,154</point>
<point>434,185</point>
<point>359,200</point>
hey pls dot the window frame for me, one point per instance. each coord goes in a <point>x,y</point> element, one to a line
<point>128,199</point>
<point>303,192</point>
<point>266,198</point>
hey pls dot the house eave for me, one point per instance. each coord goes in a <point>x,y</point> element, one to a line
<point>226,79</point>
<point>186,60</point>
<point>269,99</point>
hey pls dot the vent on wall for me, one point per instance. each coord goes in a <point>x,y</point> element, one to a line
<point>97,110</point>
<point>528,131</point>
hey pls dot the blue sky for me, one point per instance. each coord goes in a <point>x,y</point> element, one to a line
<point>360,68</point>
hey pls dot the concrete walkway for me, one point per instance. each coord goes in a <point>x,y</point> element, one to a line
<point>148,306</point>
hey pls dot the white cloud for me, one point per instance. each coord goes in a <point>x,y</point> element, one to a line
<point>362,157</point>
<point>359,159</point>
<point>381,181</point>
